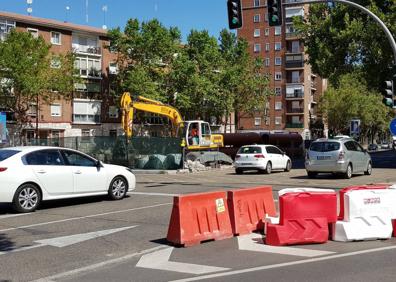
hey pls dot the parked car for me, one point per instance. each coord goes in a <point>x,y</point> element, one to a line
<point>342,156</point>
<point>29,175</point>
<point>263,158</point>
<point>372,147</point>
<point>385,145</point>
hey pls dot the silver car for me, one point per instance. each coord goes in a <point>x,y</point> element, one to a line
<point>339,156</point>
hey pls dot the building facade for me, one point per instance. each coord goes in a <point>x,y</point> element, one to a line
<point>91,111</point>
<point>297,88</point>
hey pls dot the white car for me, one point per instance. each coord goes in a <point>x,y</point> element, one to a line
<point>29,175</point>
<point>263,158</point>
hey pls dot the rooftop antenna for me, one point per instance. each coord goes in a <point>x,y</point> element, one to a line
<point>67,13</point>
<point>86,11</point>
<point>29,8</point>
<point>104,9</point>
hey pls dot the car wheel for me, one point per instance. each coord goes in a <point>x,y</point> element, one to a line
<point>348,172</point>
<point>312,174</point>
<point>369,169</point>
<point>238,171</point>
<point>268,168</point>
<point>288,166</point>
<point>27,198</point>
<point>118,188</point>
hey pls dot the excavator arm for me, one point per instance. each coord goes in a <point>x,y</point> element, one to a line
<point>147,105</point>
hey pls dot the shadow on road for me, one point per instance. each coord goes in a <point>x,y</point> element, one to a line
<point>5,243</point>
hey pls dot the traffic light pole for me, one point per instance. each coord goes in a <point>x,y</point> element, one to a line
<point>377,19</point>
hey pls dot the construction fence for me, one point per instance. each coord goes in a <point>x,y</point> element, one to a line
<point>136,152</point>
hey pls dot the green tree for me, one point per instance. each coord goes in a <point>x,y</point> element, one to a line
<point>340,38</point>
<point>352,99</point>
<point>30,72</point>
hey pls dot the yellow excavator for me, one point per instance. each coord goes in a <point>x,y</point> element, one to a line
<point>196,134</point>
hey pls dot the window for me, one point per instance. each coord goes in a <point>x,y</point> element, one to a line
<point>325,146</point>
<point>278,76</point>
<point>33,32</point>
<point>257,48</point>
<point>278,120</point>
<point>5,154</point>
<point>278,30</point>
<point>256,32</point>
<point>267,62</point>
<point>56,38</point>
<point>295,47</point>
<point>113,68</point>
<point>278,61</point>
<point>256,18</point>
<point>113,112</point>
<point>86,111</point>
<point>76,159</point>
<point>56,110</point>
<point>55,63</point>
<point>88,67</point>
<point>267,47</point>
<point>5,28</point>
<point>32,111</point>
<point>44,157</point>
<point>278,46</point>
<point>273,150</point>
<point>257,121</point>
<point>85,133</point>
<point>266,17</point>
<point>113,133</point>
<point>278,91</point>
<point>256,3</point>
<point>278,106</point>
<point>249,150</point>
<point>266,32</point>
<point>295,76</point>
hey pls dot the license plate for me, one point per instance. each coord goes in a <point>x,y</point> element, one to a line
<point>246,163</point>
<point>323,157</point>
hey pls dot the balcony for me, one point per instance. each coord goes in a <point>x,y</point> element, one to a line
<point>295,91</point>
<point>294,61</point>
<point>294,125</point>
<point>299,110</point>
<point>90,50</point>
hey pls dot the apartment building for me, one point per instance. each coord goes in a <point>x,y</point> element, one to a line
<point>297,88</point>
<point>91,110</point>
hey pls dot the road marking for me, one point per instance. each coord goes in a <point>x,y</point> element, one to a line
<point>153,194</point>
<point>279,265</point>
<point>160,260</point>
<point>14,215</point>
<point>65,241</point>
<point>83,217</point>
<point>98,265</point>
<point>254,242</point>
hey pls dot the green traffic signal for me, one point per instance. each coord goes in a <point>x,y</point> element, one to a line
<point>234,8</point>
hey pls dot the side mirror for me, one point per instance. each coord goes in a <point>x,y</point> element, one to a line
<point>98,164</point>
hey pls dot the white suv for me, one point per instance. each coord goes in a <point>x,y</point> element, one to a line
<point>263,158</point>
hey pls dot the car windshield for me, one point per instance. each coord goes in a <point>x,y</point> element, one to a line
<point>324,146</point>
<point>249,150</point>
<point>5,154</point>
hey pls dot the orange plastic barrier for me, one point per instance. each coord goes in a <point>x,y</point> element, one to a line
<point>199,217</point>
<point>304,218</point>
<point>358,187</point>
<point>248,208</point>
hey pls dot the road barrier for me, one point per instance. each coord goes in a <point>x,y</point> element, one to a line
<point>248,208</point>
<point>199,217</point>
<point>367,216</point>
<point>304,217</point>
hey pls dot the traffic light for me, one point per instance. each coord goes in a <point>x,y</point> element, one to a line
<point>234,13</point>
<point>389,94</point>
<point>274,12</point>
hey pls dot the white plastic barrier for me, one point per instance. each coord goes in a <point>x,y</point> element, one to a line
<point>367,215</point>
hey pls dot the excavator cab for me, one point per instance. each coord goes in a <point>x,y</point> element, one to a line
<point>197,134</point>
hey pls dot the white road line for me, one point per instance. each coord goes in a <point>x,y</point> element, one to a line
<point>83,217</point>
<point>153,194</point>
<point>14,215</point>
<point>98,265</point>
<point>279,265</point>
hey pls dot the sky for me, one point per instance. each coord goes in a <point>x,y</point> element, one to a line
<point>210,15</point>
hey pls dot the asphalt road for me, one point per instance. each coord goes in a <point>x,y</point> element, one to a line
<point>94,239</point>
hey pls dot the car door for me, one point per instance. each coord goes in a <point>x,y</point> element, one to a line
<point>52,174</point>
<point>274,155</point>
<point>87,177</point>
<point>361,156</point>
<point>281,157</point>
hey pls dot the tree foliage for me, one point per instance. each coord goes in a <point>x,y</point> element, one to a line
<point>29,71</point>
<point>340,39</point>
<point>203,78</point>
<point>352,99</point>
